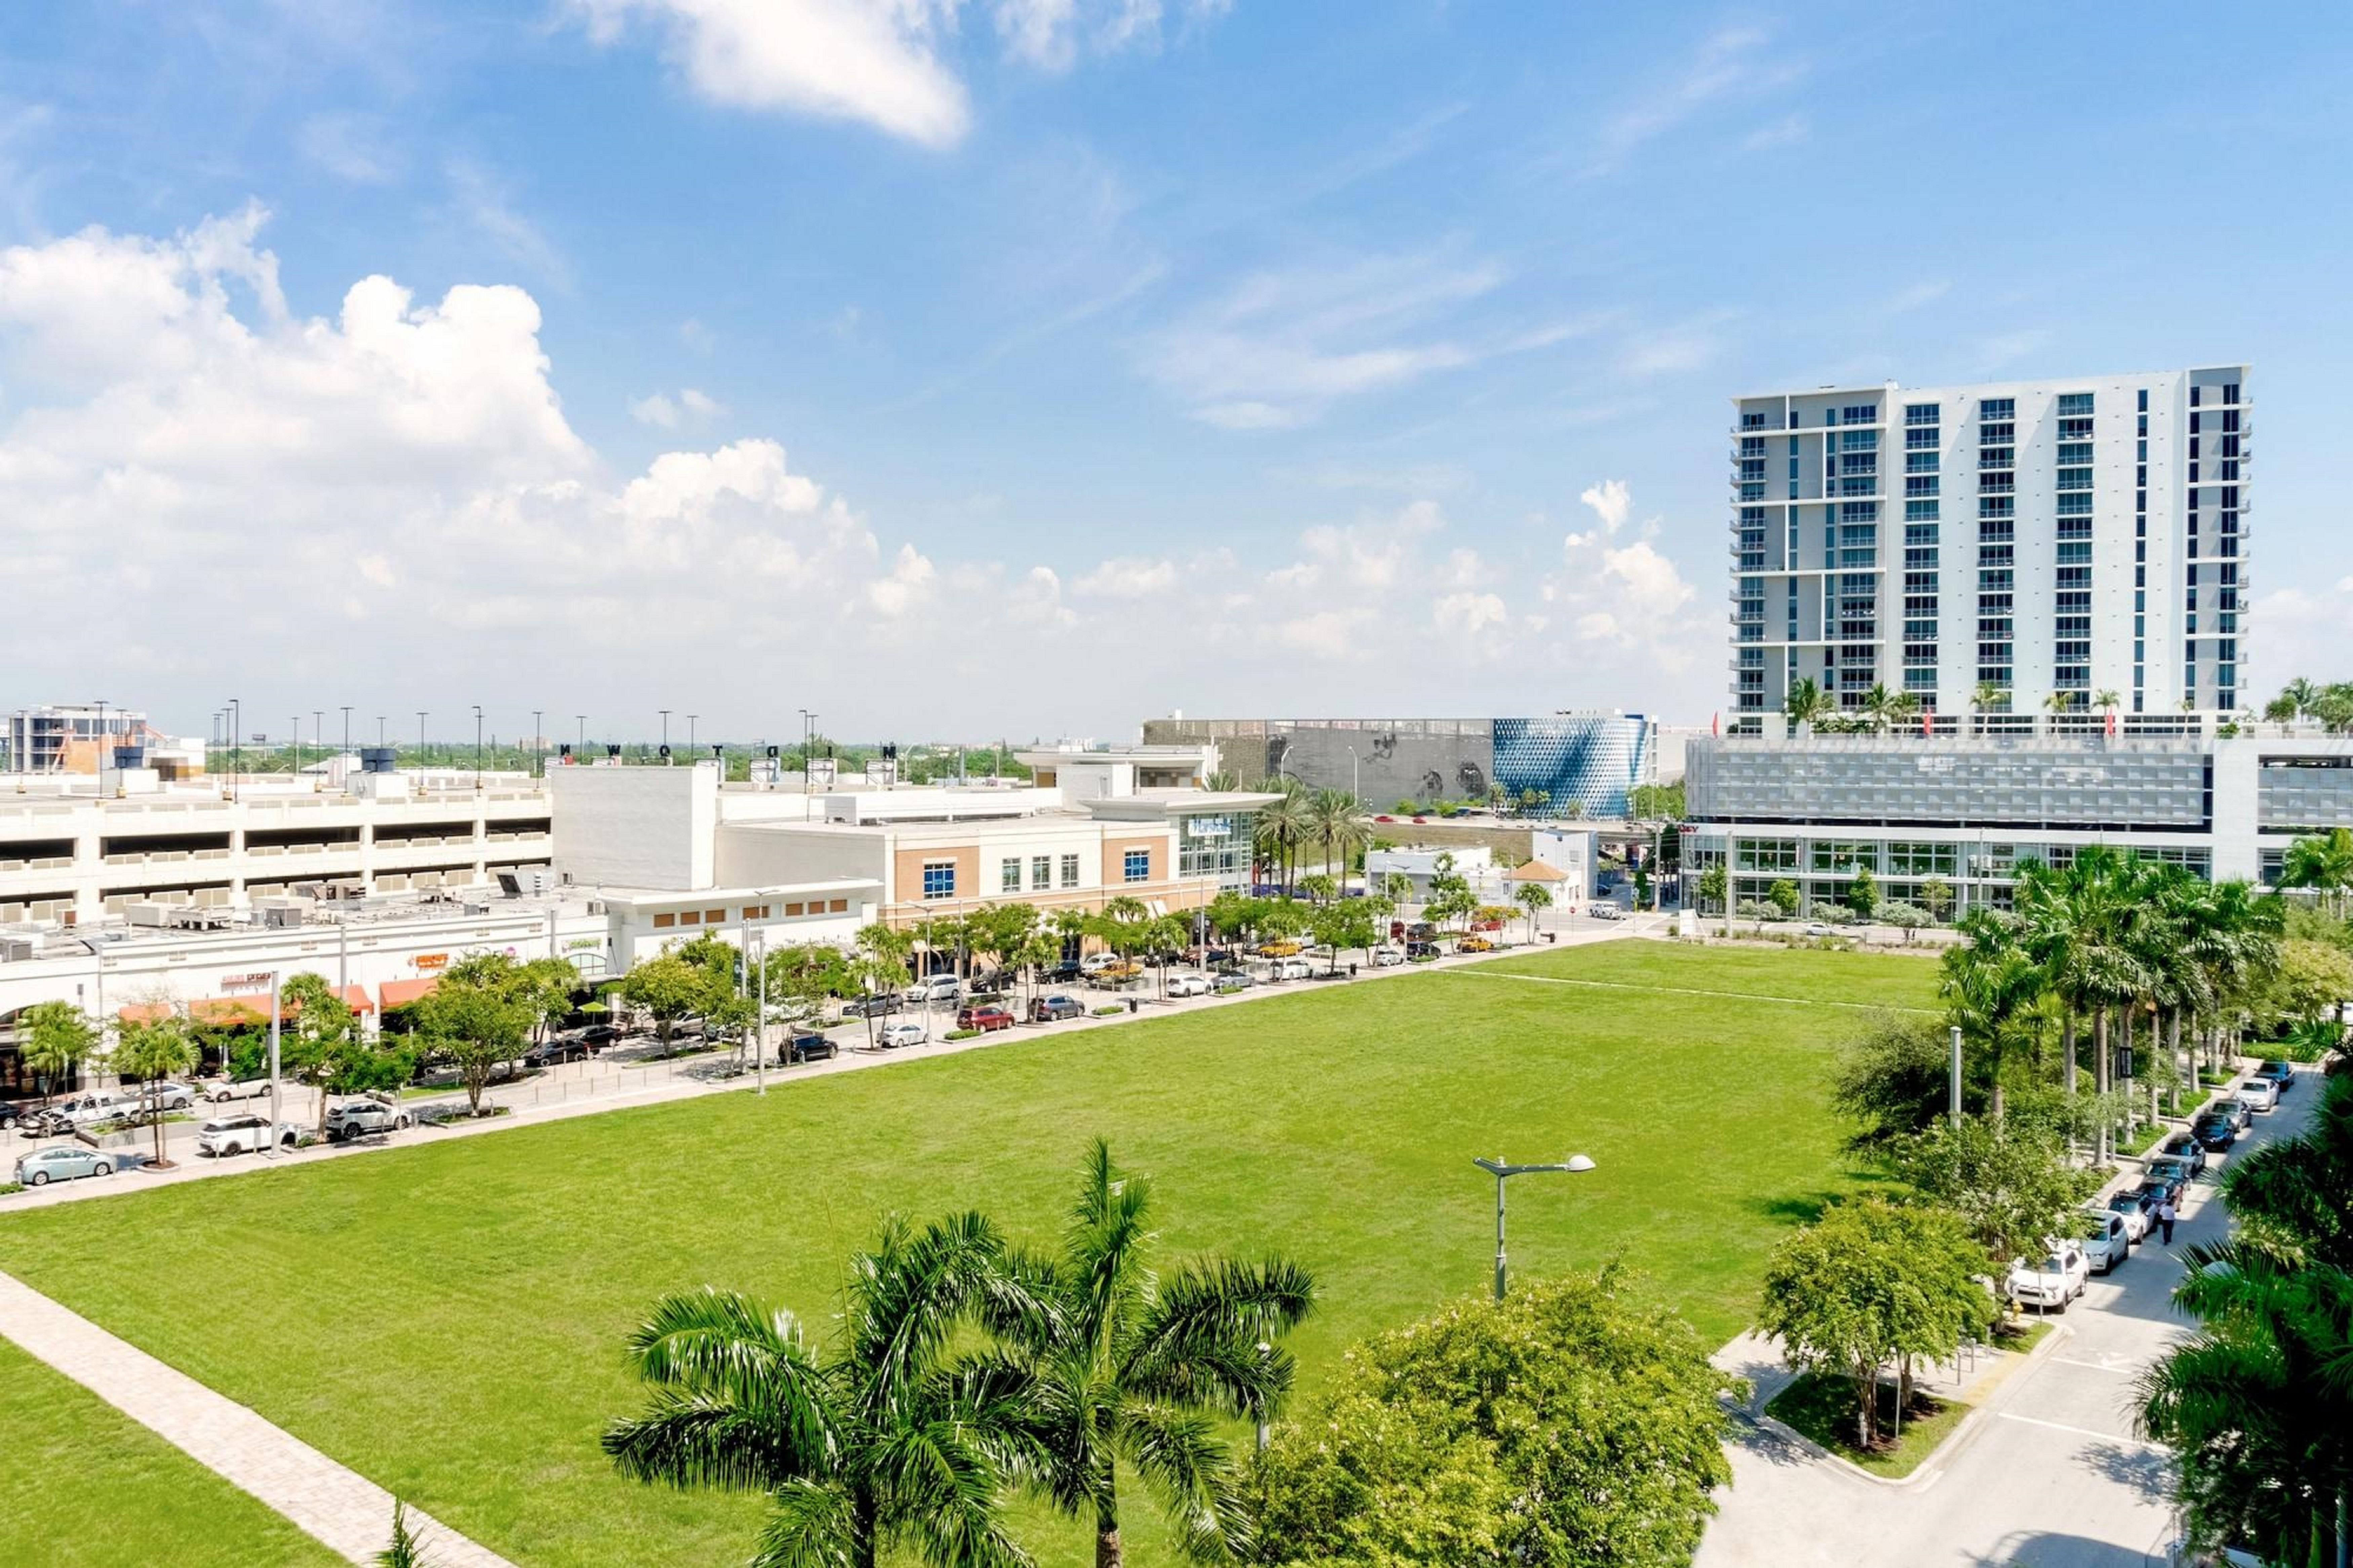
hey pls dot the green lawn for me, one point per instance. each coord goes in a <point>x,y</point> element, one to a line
<point>447,1317</point>
<point>1823,1408</point>
<point>84,1482</point>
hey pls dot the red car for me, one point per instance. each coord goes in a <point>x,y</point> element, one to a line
<point>983,1018</point>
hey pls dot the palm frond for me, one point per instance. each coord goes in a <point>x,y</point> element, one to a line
<point>694,1440</point>
<point>1179,1457</point>
<point>809,1526</point>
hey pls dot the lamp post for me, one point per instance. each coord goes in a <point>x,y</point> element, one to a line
<point>420,745</point>
<point>478,746</point>
<point>808,730</point>
<point>689,732</point>
<point>1356,789</point>
<point>102,748</point>
<point>270,1137</point>
<point>1504,1173</point>
<point>236,746</point>
<point>347,742</point>
<point>296,720</point>
<point>319,731</point>
<point>665,751</point>
<point>538,743</point>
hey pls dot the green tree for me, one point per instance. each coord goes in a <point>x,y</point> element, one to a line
<point>479,1016</point>
<point>1783,896</point>
<point>2323,862</point>
<point>58,1038</point>
<point>1281,826</point>
<point>1875,1287</point>
<point>1714,883</point>
<point>669,988</point>
<point>880,967</point>
<point>1905,916</point>
<point>1892,1081</point>
<point>1936,897</point>
<point>1534,897</point>
<point>1656,802</point>
<point>891,1445</point>
<point>1862,894</point>
<point>1337,820</point>
<point>2310,980</point>
<point>149,1049</point>
<point>1993,993</point>
<point>1567,1427</point>
<point>318,1035</point>
<point>548,984</point>
<point>1808,703</point>
<point>2012,1184</point>
<point>1128,1369</point>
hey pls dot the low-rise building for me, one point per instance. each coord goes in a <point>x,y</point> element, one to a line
<point>1965,810</point>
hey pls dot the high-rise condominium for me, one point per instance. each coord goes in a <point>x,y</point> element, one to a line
<point>2080,537</point>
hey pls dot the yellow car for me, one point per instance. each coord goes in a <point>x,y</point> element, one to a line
<point>1118,972</point>
<point>1474,945</point>
<point>1285,949</point>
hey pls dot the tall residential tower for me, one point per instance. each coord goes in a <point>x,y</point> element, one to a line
<point>2082,537</point>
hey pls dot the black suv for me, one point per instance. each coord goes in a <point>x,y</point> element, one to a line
<point>2215,1129</point>
<point>1047,1009</point>
<point>559,1048</point>
<point>808,1045</point>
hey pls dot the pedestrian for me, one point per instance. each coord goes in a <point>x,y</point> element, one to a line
<point>2164,1218</point>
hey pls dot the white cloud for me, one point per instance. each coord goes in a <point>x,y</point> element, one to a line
<point>699,404</point>
<point>1625,595</point>
<point>1280,347</point>
<point>177,438</point>
<point>482,202</point>
<point>655,410</point>
<point>843,59</point>
<point>1049,34</point>
<point>665,412</point>
<point>1731,63</point>
<point>696,336</point>
<point>1610,501</point>
<point>351,147</point>
<point>1786,132</point>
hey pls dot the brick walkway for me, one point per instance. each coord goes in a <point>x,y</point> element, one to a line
<point>349,1513</point>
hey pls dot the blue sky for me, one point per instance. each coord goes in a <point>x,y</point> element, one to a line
<point>1030,366</point>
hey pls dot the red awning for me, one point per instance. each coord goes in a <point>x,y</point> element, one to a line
<point>401,993</point>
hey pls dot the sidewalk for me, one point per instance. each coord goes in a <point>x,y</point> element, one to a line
<point>349,1513</point>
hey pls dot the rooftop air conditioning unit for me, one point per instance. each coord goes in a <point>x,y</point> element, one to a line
<point>278,914</point>
<point>16,949</point>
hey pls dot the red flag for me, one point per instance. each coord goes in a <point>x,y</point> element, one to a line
<point>1925,713</point>
<point>2112,721</point>
<point>1715,725</point>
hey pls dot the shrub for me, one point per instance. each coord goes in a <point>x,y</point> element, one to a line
<point>8,1187</point>
<point>1113,1011</point>
<point>961,1034</point>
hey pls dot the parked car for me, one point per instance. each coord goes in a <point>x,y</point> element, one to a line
<point>1474,945</point>
<point>1064,973</point>
<point>1607,913</point>
<point>2215,1129</point>
<point>1229,981</point>
<point>359,1118</point>
<point>1095,961</point>
<point>1490,923</point>
<point>2242,1115</point>
<point>2168,1168</point>
<point>2258,1094</point>
<point>2049,1282</point>
<point>62,1162</point>
<point>808,1045</point>
<point>166,1096</point>
<point>1189,984</point>
<point>881,1005</point>
<point>2280,1073</point>
<point>900,1032</point>
<point>2104,1240</point>
<point>245,1134</point>
<point>2155,1190</point>
<point>1289,969</point>
<point>1813,927</point>
<point>938,988</point>
<point>596,1037</point>
<point>554,1050</point>
<point>225,1090</point>
<point>1048,1009</point>
<point>2134,1208</point>
<point>94,1106</point>
<point>1414,950</point>
<point>2188,1148</point>
<point>1389,955</point>
<point>986,1019</point>
<point>1281,948</point>
<point>34,1121</point>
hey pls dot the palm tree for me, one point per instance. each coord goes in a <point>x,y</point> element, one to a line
<point>1992,986</point>
<point>1280,826</point>
<point>1336,819</point>
<point>1222,780</point>
<point>1130,1369</point>
<point>2299,695</point>
<point>152,1050</point>
<point>891,1445</point>
<point>1885,708</point>
<point>1532,897</point>
<point>2074,921</point>
<point>1990,697</point>
<point>2324,861</point>
<point>1808,703</point>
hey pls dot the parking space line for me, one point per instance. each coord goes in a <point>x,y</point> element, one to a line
<point>2140,1443</point>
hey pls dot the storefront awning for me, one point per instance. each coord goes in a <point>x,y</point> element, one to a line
<point>401,993</point>
<point>223,1010</point>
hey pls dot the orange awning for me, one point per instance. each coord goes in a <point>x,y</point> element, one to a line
<point>208,1010</point>
<point>357,999</point>
<point>401,993</point>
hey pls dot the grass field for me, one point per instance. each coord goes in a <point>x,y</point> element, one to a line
<point>446,1317</point>
<point>84,1482</point>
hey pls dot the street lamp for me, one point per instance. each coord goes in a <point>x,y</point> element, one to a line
<point>1504,1173</point>
<point>689,732</point>
<point>478,746</point>
<point>538,743</point>
<point>665,751</point>
<point>420,747</point>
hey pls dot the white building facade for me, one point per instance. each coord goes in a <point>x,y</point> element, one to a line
<point>2080,537</point>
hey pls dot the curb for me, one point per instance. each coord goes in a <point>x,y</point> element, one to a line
<point>1932,1467</point>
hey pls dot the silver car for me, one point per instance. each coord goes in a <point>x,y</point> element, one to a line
<point>62,1162</point>
<point>2105,1239</point>
<point>243,1135</point>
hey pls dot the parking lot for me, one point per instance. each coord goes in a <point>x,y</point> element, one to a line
<point>638,1068</point>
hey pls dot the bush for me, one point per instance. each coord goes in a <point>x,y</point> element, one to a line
<point>8,1187</point>
<point>961,1035</point>
<point>1113,1010</point>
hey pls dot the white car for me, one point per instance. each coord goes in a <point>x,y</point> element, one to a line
<point>900,1032</point>
<point>97,1105</point>
<point>2049,1282</point>
<point>1289,969</point>
<point>1095,961</point>
<point>1188,985</point>
<point>938,988</point>
<point>1606,912</point>
<point>2258,1094</point>
<point>167,1096</point>
<point>226,1089</point>
<point>242,1135</point>
<point>2105,1239</point>
<point>1387,957</point>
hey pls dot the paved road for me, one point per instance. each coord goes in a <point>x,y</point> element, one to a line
<point>2050,1477</point>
